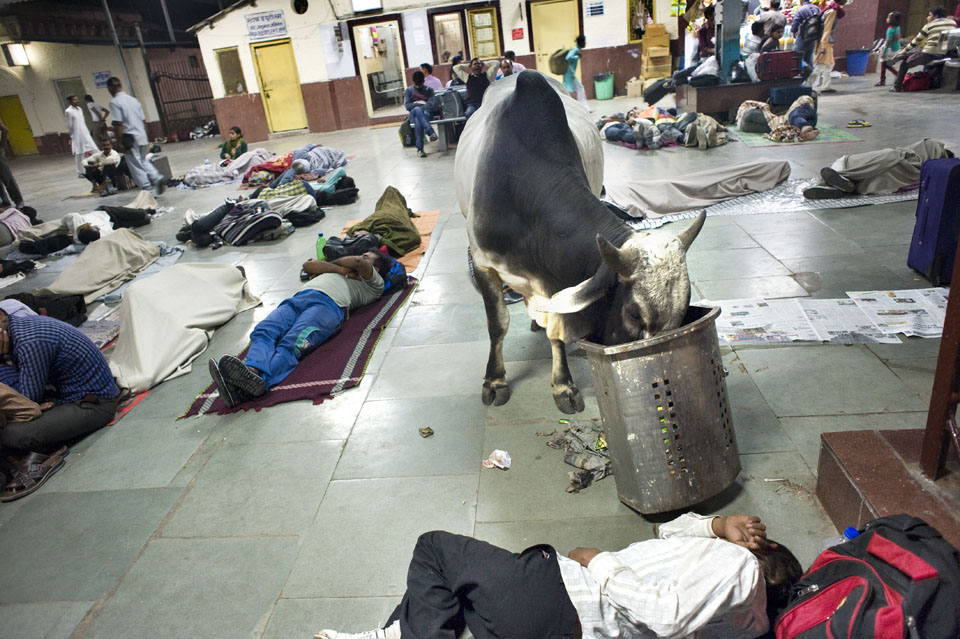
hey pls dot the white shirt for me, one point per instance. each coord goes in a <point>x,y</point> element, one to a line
<point>97,219</point>
<point>102,159</point>
<point>80,139</point>
<point>95,110</point>
<point>128,111</point>
<point>687,583</point>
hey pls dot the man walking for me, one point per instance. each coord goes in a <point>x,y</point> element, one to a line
<point>128,125</point>
<point>81,143</point>
<point>99,116</point>
<point>805,28</point>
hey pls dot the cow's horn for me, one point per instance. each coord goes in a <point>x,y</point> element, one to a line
<point>689,234</point>
<point>614,257</point>
<point>575,298</point>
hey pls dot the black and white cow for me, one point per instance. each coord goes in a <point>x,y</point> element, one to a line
<point>528,171</point>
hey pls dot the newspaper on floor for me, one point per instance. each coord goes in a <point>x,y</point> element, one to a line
<point>843,322</point>
<point>910,312</point>
<point>759,321</point>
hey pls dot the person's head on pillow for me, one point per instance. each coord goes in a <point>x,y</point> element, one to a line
<point>300,166</point>
<point>87,234</point>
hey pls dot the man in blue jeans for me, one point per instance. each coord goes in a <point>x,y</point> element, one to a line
<point>422,102</point>
<point>300,324</point>
<point>805,46</point>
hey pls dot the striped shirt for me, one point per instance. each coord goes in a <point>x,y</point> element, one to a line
<point>687,583</point>
<point>47,351</point>
<point>295,188</point>
<point>929,36</point>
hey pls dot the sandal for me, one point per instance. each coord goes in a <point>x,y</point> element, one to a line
<point>858,124</point>
<point>33,472</point>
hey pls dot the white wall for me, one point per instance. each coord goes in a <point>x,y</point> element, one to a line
<point>52,61</point>
<point>416,37</point>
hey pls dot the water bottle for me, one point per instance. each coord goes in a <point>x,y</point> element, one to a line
<point>849,533</point>
<point>206,161</point>
<point>321,242</point>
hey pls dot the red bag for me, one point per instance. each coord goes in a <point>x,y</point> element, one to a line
<point>778,65</point>
<point>919,81</point>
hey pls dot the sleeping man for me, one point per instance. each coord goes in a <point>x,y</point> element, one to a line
<point>302,322</point>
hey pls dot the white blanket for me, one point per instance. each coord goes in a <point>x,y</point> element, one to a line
<point>167,320</point>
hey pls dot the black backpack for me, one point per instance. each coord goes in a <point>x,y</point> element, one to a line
<point>406,133</point>
<point>811,29</point>
<point>899,578</point>
<point>337,247</point>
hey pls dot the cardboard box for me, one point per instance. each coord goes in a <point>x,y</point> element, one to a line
<point>635,88</point>
<point>655,29</point>
<point>656,52</point>
<point>659,71</point>
<point>655,41</point>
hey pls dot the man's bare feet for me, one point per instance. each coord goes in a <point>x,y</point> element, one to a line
<point>808,133</point>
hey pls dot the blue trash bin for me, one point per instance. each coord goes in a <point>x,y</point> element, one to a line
<point>857,61</point>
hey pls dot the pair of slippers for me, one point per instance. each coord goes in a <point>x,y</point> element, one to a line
<point>858,124</point>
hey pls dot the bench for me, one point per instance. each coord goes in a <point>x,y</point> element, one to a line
<point>445,128</point>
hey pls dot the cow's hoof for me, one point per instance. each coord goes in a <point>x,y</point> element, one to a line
<point>496,393</point>
<point>534,327</point>
<point>568,399</point>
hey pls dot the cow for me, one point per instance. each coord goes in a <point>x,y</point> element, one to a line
<point>528,172</point>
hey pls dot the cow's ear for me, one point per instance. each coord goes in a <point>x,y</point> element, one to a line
<point>576,298</point>
<point>689,234</point>
<point>614,258</point>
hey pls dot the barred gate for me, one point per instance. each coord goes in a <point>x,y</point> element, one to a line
<point>183,94</point>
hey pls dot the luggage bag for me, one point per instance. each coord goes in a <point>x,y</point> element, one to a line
<point>451,103</point>
<point>778,65</point>
<point>658,90</point>
<point>934,242</point>
<point>785,96</point>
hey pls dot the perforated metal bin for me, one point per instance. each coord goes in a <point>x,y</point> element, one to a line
<point>666,415</point>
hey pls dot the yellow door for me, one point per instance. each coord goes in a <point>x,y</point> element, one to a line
<point>13,117</point>
<point>280,86</point>
<point>555,25</point>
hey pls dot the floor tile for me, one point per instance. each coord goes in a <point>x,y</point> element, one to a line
<point>805,431</point>
<point>535,485</point>
<point>198,588</point>
<point>448,260</point>
<point>453,238</point>
<point>432,371</point>
<point>766,287</point>
<point>359,515</point>
<point>787,244</point>
<point>606,533</point>
<point>443,324</point>
<point>386,441</point>
<point>134,453</point>
<point>826,380</point>
<point>269,498</point>
<point>909,348</point>
<point>446,288</point>
<point>46,620</point>
<point>723,236</point>
<point>729,264</point>
<point>773,223</point>
<point>79,543</point>
<point>918,373</point>
<point>531,394</point>
<point>302,618</point>
<point>298,421</point>
<point>758,429</point>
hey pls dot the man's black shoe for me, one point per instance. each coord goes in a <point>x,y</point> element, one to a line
<point>227,396</point>
<point>238,374</point>
<point>837,181</point>
<point>821,192</point>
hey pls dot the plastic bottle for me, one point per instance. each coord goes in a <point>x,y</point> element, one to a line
<point>321,242</point>
<point>849,533</point>
<point>206,161</point>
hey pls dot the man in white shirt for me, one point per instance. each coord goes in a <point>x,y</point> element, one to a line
<point>131,134</point>
<point>101,168</point>
<point>703,577</point>
<point>301,323</point>
<point>99,116</point>
<point>81,143</point>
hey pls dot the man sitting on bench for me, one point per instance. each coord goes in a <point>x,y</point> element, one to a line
<point>422,103</point>
<point>301,323</point>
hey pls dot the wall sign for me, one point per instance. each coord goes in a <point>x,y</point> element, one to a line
<point>266,25</point>
<point>595,8</point>
<point>518,34</point>
<point>100,79</point>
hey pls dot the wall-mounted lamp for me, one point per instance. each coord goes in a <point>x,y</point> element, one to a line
<point>16,55</point>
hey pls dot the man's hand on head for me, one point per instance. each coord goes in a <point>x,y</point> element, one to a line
<point>744,530</point>
<point>583,556</point>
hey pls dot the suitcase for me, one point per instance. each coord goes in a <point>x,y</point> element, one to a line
<point>451,103</point>
<point>785,96</point>
<point>934,242</point>
<point>778,65</point>
<point>162,164</point>
<point>658,90</point>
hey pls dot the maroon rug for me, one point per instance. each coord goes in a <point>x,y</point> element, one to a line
<point>338,364</point>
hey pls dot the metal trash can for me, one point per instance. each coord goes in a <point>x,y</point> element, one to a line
<point>666,415</point>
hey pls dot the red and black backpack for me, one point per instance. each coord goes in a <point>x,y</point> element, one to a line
<point>898,579</point>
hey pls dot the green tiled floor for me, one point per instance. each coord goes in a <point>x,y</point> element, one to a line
<point>278,523</point>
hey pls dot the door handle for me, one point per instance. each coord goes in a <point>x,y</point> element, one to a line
<point>268,95</point>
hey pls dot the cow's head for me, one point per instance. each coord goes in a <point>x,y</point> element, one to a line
<point>654,288</point>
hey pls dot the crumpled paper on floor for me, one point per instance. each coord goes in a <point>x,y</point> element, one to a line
<point>498,459</point>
